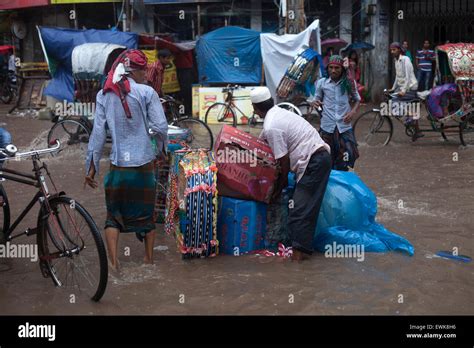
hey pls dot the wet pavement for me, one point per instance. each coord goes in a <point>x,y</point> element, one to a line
<point>425,193</point>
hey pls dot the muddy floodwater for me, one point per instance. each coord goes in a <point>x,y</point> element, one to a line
<point>425,193</point>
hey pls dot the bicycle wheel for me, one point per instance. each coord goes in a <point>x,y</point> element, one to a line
<point>466,130</point>
<point>71,248</point>
<point>221,113</point>
<point>373,129</point>
<point>4,215</point>
<point>73,135</point>
<point>201,135</point>
<point>290,107</point>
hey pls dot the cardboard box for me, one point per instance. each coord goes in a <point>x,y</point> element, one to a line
<point>241,225</point>
<point>251,173</point>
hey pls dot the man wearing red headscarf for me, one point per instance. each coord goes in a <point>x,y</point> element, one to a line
<point>132,113</point>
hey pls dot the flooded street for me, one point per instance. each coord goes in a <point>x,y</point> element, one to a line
<point>425,193</point>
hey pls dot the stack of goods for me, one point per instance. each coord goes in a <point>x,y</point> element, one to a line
<point>246,166</point>
<point>191,207</point>
<point>241,225</point>
<point>303,68</point>
<point>246,174</point>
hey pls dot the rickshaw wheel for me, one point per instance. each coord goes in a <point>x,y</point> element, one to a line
<point>466,130</point>
<point>73,135</point>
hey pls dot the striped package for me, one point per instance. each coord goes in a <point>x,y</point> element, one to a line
<point>191,213</point>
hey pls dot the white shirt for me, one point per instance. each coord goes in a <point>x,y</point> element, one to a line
<point>405,79</point>
<point>11,63</point>
<point>288,133</point>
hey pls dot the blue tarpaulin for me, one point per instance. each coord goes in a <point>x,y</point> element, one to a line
<point>347,217</point>
<point>229,55</point>
<point>58,44</point>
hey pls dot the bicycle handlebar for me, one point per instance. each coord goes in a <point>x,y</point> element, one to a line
<point>10,151</point>
<point>230,88</point>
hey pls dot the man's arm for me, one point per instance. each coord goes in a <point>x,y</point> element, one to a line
<point>408,68</point>
<point>317,100</point>
<point>157,120</point>
<point>282,181</point>
<point>355,105</point>
<point>96,142</point>
<point>417,59</point>
<point>395,83</point>
<point>279,146</point>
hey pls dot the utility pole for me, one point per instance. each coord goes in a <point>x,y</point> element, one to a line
<point>293,16</point>
<point>126,16</point>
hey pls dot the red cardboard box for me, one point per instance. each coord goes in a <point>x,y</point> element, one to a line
<point>246,166</point>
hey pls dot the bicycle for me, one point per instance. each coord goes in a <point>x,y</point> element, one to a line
<point>200,133</point>
<point>374,128</point>
<point>70,246</point>
<point>227,112</point>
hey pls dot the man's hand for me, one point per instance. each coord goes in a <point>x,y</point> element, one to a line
<point>348,117</point>
<point>401,93</point>
<point>316,104</point>
<point>89,179</point>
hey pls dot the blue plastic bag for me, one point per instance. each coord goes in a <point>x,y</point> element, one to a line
<point>347,216</point>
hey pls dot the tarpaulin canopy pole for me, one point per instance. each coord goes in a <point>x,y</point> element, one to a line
<point>43,48</point>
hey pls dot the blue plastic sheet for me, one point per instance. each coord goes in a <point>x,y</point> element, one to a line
<point>59,43</point>
<point>229,55</point>
<point>347,217</point>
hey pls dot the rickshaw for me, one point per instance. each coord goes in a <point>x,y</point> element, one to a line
<point>91,63</point>
<point>454,66</point>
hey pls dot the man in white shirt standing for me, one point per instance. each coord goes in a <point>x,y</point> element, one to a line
<point>406,84</point>
<point>298,147</point>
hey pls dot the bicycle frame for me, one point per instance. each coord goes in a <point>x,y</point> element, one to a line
<point>229,101</point>
<point>36,180</point>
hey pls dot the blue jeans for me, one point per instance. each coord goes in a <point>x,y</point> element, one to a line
<point>5,139</point>
<point>423,78</point>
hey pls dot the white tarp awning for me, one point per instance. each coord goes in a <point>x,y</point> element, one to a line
<point>91,57</point>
